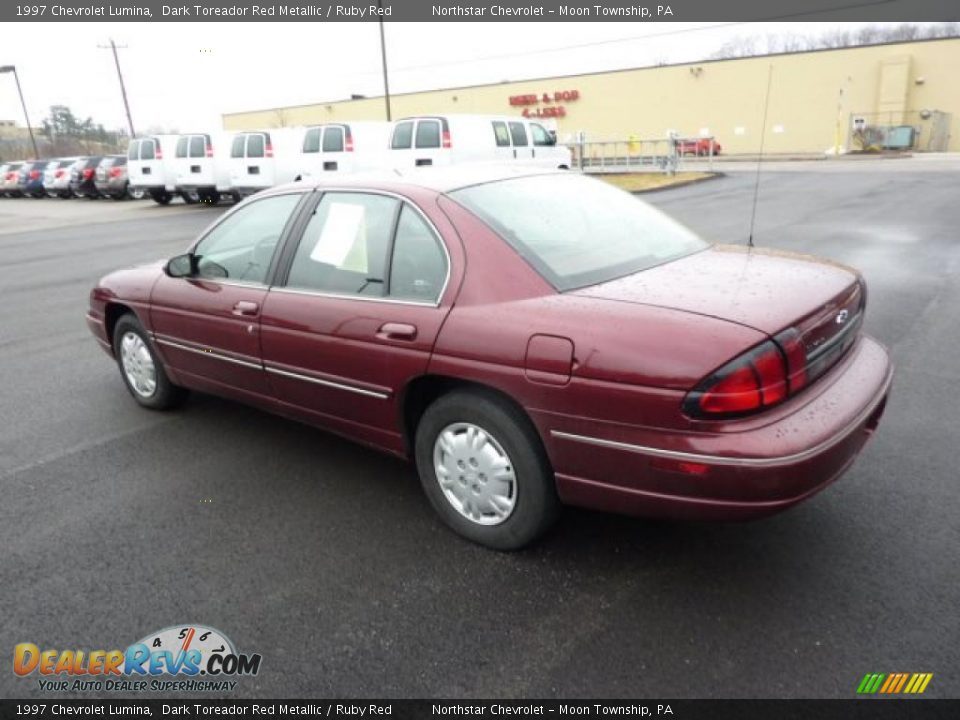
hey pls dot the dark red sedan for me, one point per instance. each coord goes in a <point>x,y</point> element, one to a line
<point>529,339</point>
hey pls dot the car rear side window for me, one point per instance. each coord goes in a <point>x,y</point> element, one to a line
<point>418,269</point>
<point>519,134</point>
<point>402,136</point>
<point>236,149</point>
<point>333,139</point>
<point>255,146</point>
<point>182,146</point>
<point>198,148</point>
<point>501,133</point>
<point>428,134</point>
<point>344,247</point>
<point>241,247</point>
<point>311,141</point>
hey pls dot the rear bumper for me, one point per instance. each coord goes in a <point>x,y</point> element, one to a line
<point>729,475</point>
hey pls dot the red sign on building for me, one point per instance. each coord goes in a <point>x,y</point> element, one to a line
<point>545,104</point>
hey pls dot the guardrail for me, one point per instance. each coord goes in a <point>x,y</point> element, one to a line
<point>638,155</point>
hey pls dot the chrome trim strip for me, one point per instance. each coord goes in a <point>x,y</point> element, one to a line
<point>207,353</point>
<point>326,383</point>
<point>343,296</point>
<point>735,461</point>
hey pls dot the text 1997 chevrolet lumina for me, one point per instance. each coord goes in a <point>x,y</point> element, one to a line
<point>529,339</point>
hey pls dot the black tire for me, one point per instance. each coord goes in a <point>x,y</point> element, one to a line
<point>161,197</point>
<point>166,395</point>
<point>237,197</point>
<point>136,193</point>
<point>189,198</point>
<point>120,195</point>
<point>209,197</point>
<point>536,504</point>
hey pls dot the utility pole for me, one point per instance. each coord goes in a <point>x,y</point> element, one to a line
<point>123,90</point>
<point>13,69</point>
<point>383,55</point>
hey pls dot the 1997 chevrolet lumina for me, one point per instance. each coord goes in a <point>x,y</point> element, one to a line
<point>530,339</point>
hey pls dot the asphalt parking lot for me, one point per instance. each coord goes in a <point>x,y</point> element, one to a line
<point>325,558</point>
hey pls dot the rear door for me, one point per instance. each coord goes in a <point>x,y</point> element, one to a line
<point>357,314</point>
<point>522,150</point>
<point>401,144</point>
<point>428,144</point>
<point>501,137</point>
<point>334,149</point>
<point>208,326</point>
<point>251,161</point>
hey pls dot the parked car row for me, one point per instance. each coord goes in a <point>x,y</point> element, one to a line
<point>203,167</point>
<point>94,176</point>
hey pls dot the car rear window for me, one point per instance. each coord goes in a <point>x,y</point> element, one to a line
<point>428,134</point>
<point>182,146</point>
<point>236,149</point>
<point>402,136</point>
<point>133,152</point>
<point>147,150</point>
<point>68,163</point>
<point>198,148</point>
<point>333,139</point>
<point>255,146</point>
<point>93,162</point>
<point>311,141</point>
<point>578,231</point>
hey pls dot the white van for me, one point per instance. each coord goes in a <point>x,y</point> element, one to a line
<point>202,166</point>
<point>456,139</point>
<point>150,166</point>
<point>263,158</point>
<point>344,148</point>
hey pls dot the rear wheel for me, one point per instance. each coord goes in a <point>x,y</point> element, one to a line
<point>141,368</point>
<point>189,198</point>
<point>161,197</point>
<point>484,469</point>
<point>209,197</point>
<point>136,193</point>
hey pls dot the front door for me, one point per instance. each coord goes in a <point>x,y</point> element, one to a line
<point>208,326</point>
<point>358,314</point>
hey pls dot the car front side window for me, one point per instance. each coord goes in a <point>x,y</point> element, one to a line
<point>241,247</point>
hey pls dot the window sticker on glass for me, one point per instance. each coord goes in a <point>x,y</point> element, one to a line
<point>343,240</point>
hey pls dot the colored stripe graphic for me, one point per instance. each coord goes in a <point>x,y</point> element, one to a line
<point>894,683</point>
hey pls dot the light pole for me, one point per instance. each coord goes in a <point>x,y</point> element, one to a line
<point>13,69</point>
<point>123,88</point>
<point>383,55</point>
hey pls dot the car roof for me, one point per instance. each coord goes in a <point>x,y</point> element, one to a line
<point>441,180</point>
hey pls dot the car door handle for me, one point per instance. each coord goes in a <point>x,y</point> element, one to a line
<point>245,308</point>
<point>397,331</point>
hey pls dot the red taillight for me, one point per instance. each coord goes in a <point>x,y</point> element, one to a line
<point>680,466</point>
<point>87,173</point>
<point>34,174</point>
<point>445,138</point>
<point>209,150</point>
<point>753,381</point>
<point>269,151</point>
<point>158,153</point>
<point>349,144</point>
<point>60,173</point>
<point>789,340</point>
<point>115,172</point>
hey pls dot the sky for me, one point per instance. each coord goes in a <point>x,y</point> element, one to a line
<point>184,76</point>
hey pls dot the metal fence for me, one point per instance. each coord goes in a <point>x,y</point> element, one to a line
<point>640,155</point>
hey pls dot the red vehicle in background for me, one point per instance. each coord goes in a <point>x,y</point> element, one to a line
<point>698,146</point>
<point>528,339</point>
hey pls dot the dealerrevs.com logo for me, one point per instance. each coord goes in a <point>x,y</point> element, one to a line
<point>178,658</point>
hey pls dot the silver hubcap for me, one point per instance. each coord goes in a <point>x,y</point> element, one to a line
<point>138,364</point>
<point>475,473</point>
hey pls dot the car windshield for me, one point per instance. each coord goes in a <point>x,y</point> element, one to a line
<point>578,231</point>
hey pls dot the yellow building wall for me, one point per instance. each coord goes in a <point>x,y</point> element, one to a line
<point>809,94</point>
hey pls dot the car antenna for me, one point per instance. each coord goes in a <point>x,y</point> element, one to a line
<point>763,135</point>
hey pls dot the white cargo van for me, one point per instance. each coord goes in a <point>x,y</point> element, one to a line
<point>202,166</point>
<point>263,158</point>
<point>456,139</point>
<point>344,148</point>
<point>151,168</point>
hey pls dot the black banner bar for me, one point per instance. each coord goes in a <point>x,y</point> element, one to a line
<point>478,10</point>
<point>854,709</point>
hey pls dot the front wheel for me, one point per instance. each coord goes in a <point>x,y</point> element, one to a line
<point>161,197</point>
<point>484,469</point>
<point>140,367</point>
<point>136,193</point>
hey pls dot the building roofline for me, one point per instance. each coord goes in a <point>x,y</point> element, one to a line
<point>598,72</point>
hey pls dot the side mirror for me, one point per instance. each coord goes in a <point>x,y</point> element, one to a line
<point>181,266</point>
